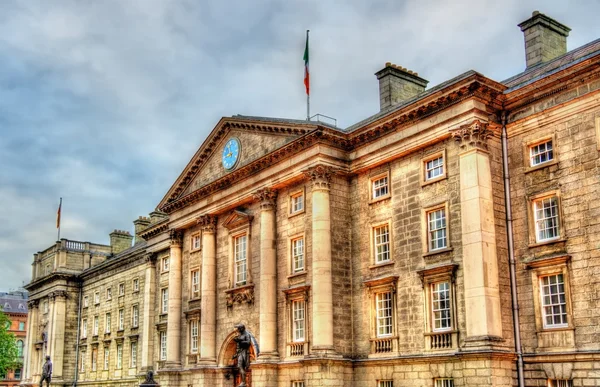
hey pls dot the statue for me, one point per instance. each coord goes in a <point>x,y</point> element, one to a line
<point>46,372</point>
<point>149,379</point>
<point>242,352</point>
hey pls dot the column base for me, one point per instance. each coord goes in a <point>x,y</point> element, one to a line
<point>170,364</point>
<point>268,357</point>
<point>211,361</point>
<point>484,342</point>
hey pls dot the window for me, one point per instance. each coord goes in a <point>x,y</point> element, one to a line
<point>541,153</point>
<point>195,283</point>
<point>85,301</point>
<point>545,212</point>
<point>560,383</point>
<point>436,229</point>
<point>133,353</point>
<point>163,345</point>
<point>82,362</point>
<point>94,358</point>
<point>164,296</point>
<point>379,187</point>
<point>434,168</point>
<point>45,307</point>
<point>385,383</point>
<point>20,348</point>
<point>48,269</point>
<point>381,243</point>
<point>106,357</point>
<point>298,255</point>
<point>196,241</point>
<point>107,327</point>
<point>97,298</point>
<point>165,264</point>
<point>297,202</point>
<point>108,294</point>
<point>298,316</point>
<point>18,374</point>
<point>440,307</point>
<point>297,384</point>
<point>240,259</point>
<point>554,302</point>
<point>21,325</point>
<point>121,289</point>
<point>135,315</point>
<point>384,314</point>
<point>444,382</point>
<point>121,319</point>
<point>96,323</point>
<point>119,356</point>
<point>194,336</point>
<point>83,328</point>
<point>136,285</point>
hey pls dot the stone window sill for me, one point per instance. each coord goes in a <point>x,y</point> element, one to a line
<point>383,264</point>
<point>293,214</point>
<point>380,199</point>
<point>548,242</point>
<point>540,166</point>
<point>298,274</point>
<point>439,251</point>
<point>433,180</point>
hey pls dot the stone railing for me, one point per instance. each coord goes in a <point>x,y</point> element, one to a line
<point>74,245</point>
<point>441,340</point>
<point>383,345</point>
<point>297,349</point>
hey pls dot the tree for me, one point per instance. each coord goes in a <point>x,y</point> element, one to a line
<point>9,355</point>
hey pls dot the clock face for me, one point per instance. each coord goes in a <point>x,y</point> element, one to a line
<point>231,153</point>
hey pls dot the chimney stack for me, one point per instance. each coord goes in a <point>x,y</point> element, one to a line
<point>545,38</point>
<point>141,224</point>
<point>120,241</point>
<point>398,84</point>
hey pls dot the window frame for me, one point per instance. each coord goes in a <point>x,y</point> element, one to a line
<point>374,245</point>
<point>164,300</point>
<point>372,180</point>
<point>374,287</point>
<point>96,326</point>
<point>96,298</point>
<point>430,157</point>
<point>119,362</point>
<point>85,301</point>
<point>548,267</point>
<point>133,354</point>
<point>426,233</point>
<point>292,255</point>
<point>296,194</point>
<point>106,359</point>
<point>121,288</point>
<point>165,264</point>
<point>94,359</point>
<point>84,327</point>
<point>532,220</point>
<point>107,323</point>
<point>294,327</point>
<point>439,382</point>
<point>197,236</point>
<point>108,293</point>
<point>385,383</point>
<point>194,336</point>
<point>162,345</point>
<point>234,238</point>
<point>194,293</point>
<point>135,285</point>
<point>121,317</point>
<point>527,148</point>
<point>135,315</point>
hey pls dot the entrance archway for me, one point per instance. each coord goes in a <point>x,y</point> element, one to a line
<point>227,360</point>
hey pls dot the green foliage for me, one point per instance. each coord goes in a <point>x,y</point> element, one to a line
<point>8,346</point>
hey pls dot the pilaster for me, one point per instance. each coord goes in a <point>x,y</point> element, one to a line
<point>32,328</point>
<point>208,302</point>
<point>480,263</point>
<point>174,316</point>
<point>57,333</point>
<point>268,274</point>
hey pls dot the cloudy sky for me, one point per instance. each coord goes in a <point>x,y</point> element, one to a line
<point>104,102</point>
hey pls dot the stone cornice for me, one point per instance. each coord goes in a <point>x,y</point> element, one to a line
<point>155,230</point>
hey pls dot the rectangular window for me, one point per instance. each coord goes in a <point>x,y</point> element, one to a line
<point>82,362</point>
<point>136,285</point>
<point>119,356</point>
<point>108,293</point>
<point>94,358</point>
<point>85,301</point>
<point>240,259</point>
<point>298,255</point>
<point>121,289</point>
<point>440,307</point>
<point>194,336</point>
<point>45,307</point>
<point>297,384</point>
<point>436,229</point>
<point>97,298</point>
<point>165,264</point>
<point>381,242</point>
<point>133,353</point>
<point>385,383</point>
<point>560,383</point>
<point>163,345</point>
<point>554,303</point>
<point>107,330</point>
<point>17,374</point>
<point>21,326</point>
<point>121,319</point>
<point>164,297</point>
<point>384,314</point>
<point>380,187</point>
<point>135,315</point>
<point>83,328</point>
<point>297,203</point>
<point>196,240</point>
<point>298,316</point>
<point>545,212</point>
<point>96,324</point>
<point>444,382</point>
<point>48,269</point>
<point>434,168</point>
<point>541,153</point>
<point>106,357</point>
<point>195,283</point>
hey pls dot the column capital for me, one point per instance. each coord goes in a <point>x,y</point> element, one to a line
<point>33,304</point>
<point>150,258</point>
<point>208,223</point>
<point>474,135</point>
<point>176,237</point>
<point>320,176</point>
<point>57,294</point>
<point>267,198</point>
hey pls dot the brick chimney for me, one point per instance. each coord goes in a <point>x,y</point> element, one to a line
<point>141,224</point>
<point>545,38</point>
<point>120,240</point>
<point>397,84</point>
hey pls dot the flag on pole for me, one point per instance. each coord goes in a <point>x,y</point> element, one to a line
<point>306,73</point>
<point>58,214</point>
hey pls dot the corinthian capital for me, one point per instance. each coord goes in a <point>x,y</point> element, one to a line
<point>320,176</point>
<point>266,197</point>
<point>176,237</point>
<point>208,223</point>
<point>473,136</point>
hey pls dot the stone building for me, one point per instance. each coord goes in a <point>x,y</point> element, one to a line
<point>451,239</point>
<point>14,305</point>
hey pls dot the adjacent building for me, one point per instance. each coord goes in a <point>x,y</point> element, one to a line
<point>14,305</point>
<point>451,239</point>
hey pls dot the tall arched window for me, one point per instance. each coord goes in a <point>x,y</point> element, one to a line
<point>20,347</point>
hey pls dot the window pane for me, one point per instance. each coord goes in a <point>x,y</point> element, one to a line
<point>554,306</point>
<point>240,256</point>
<point>436,223</point>
<point>298,254</point>
<point>440,306</point>
<point>546,218</point>
<point>380,187</point>
<point>434,168</point>
<point>384,314</point>
<point>541,153</point>
<point>298,317</point>
<point>381,236</point>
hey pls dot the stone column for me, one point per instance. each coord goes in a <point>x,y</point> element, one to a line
<point>32,335</point>
<point>268,274</point>
<point>208,302</point>
<point>174,317</point>
<point>147,319</point>
<point>56,335</point>
<point>480,263</point>
<point>322,289</point>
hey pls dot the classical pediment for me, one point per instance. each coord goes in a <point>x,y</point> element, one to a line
<point>237,219</point>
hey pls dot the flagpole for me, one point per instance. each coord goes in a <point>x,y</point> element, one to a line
<point>308,93</point>
<point>58,219</point>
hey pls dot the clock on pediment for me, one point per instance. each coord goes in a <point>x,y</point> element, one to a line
<point>231,153</point>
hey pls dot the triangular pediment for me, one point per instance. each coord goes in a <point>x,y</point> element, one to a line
<point>256,136</point>
<point>237,219</point>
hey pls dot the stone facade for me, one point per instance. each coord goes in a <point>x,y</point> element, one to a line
<point>14,305</point>
<point>378,255</point>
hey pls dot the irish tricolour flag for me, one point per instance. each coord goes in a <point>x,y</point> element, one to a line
<point>306,73</point>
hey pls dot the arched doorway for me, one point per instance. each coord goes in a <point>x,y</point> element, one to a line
<point>227,360</point>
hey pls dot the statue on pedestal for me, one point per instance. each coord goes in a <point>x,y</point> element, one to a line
<point>242,353</point>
